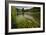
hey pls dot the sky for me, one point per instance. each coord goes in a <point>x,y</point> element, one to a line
<point>25,7</point>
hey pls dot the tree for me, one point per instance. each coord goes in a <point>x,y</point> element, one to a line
<point>13,16</point>
<point>23,11</point>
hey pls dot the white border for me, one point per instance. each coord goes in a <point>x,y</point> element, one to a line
<point>25,29</point>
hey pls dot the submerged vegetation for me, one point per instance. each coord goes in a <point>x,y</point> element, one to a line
<point>25,18</point>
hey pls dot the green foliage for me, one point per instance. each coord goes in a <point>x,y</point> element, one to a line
<point>19,21</point>
<point>13,15</point>
<point>26,23</point>
<point>35,9</point>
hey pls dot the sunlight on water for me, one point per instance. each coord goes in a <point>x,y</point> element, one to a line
<point>19,18</point>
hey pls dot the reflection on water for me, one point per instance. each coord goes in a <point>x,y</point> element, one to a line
<point>25,18</point>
